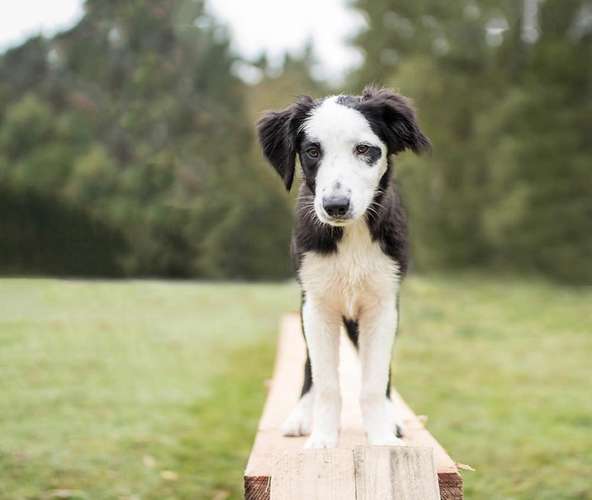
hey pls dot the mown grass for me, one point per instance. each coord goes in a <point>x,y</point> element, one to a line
<point>152,390</point>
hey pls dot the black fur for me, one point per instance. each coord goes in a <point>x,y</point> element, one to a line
<point>279,135</point>
<point>309,164</point>
<point>307,380</point>
<point>388,222</point>
<point>391,117</point>
<point>373,155</point>
<point>351,327</point>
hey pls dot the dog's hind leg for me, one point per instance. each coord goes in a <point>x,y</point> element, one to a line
<point>299,422</point>
<point>397,423</point>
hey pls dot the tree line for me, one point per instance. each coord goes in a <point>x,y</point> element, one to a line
<point>504,90</point>
<point>127,143</point>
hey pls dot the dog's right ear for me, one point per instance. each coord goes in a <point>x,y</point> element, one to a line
<point>278,134</point>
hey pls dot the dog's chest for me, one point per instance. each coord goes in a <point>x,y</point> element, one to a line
<point>359,274</point>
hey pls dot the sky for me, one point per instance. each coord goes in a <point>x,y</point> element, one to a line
<point>24,18</point>
<point>272,26</point>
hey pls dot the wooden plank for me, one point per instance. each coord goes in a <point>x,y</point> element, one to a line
<point>283,395</point>
<point>329,475</point>
<point>400,473</point>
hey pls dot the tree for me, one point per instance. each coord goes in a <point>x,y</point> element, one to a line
<point>506,184</point>
<point>133,117</point>
<point>541,206</point>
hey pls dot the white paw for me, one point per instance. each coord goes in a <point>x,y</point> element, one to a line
<point>395,421</point>
<point>299,423</point>
<point>388,439</point>
<point>320,440</point>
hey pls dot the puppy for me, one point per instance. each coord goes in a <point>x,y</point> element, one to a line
<point>349,245</point>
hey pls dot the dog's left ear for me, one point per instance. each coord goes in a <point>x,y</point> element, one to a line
<point>394,118</point>
<point>278,132</point>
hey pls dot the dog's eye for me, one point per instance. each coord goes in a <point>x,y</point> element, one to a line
<point>362,149</point>
<point>313,152</point>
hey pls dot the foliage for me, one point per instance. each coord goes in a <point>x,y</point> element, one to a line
<point>508,184</point>
<point>134,120</point>
<point>133,116</point>
<point>42,235</point>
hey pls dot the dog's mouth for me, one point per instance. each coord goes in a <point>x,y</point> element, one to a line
<point>337,221</point>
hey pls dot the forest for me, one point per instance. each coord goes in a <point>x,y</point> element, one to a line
<point>128,148</point>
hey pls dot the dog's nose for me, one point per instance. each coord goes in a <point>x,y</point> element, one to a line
<point>336,206</point>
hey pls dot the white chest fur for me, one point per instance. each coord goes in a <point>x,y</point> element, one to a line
<point>357,276</point>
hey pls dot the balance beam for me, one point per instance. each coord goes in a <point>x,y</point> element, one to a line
<point>279,469</point>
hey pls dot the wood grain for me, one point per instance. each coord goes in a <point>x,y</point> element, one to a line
<point>400,473</point>
<point>283,394</point>
<point>314,475</point>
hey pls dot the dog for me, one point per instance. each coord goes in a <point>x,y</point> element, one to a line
<point>349,245</point>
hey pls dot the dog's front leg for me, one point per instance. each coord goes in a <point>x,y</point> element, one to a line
<point>321,329</point>
<point>377,326</point>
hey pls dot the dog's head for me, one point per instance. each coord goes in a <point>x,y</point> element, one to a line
<point>343,144</point>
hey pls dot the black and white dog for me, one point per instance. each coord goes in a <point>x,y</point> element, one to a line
<point>349,245</point>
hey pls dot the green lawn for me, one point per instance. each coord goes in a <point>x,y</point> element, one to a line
<point>152,390</point>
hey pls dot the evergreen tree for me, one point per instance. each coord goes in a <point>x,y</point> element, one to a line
<point>507,183</point>
<point>540,212</point>
<point>133,117</point>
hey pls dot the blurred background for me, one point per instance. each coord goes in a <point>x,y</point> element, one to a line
<point>127,150</point>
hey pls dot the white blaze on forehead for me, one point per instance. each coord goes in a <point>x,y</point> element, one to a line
<point>333,124</point>
<point>342,172</point>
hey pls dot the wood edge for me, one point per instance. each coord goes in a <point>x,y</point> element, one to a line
<point>451,486</point>
<point>257,487</point>
<point>286,325</point>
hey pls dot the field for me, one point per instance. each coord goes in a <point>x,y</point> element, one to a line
<point>151,390</point>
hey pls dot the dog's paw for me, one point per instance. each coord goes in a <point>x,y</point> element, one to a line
<point>388,439</point>
<point>320,440</point>
<point>298,423</point>
<point>396,422</point>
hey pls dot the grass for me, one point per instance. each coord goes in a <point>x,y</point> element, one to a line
<point>152,390</point>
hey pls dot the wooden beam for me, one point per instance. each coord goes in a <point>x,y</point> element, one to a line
<point>283,395</point>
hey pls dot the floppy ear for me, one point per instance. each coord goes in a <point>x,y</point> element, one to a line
<point>278,132</point>
<point>393,116</point>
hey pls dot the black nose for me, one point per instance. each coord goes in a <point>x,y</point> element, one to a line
<point>336,206</point>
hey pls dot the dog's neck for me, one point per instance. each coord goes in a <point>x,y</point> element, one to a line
<point>386,223</point>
